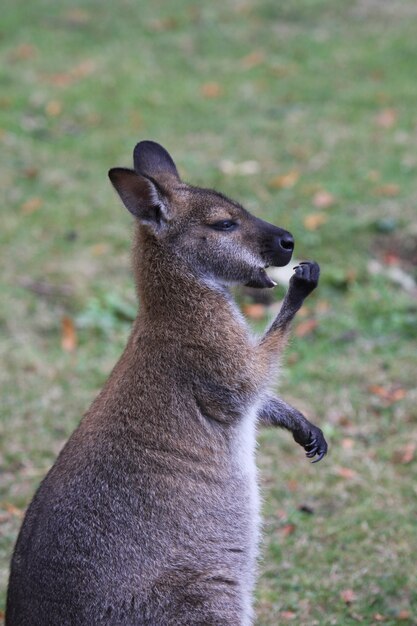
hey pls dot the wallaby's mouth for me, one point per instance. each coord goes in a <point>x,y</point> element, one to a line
<point>261,280</point>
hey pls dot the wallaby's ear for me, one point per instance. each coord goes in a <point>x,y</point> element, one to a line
<point>141,197</point>
<point>151,159</point>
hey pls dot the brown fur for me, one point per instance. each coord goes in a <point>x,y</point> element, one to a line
<point>150,514</point>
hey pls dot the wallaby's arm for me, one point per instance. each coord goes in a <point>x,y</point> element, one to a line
<point>276,412</point>
<point>302,283</point>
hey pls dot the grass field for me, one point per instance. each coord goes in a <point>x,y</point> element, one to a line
<point>319,96</point>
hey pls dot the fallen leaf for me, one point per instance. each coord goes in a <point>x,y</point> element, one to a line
<point>314,220</point>
<point>285,181</point>
<point>348,596</point>
<point>306,328</point>
<point>346,472</point>
<point>77,17</point>
<point>390,258</point>
<point>347,443</point>
<point>389,190</point>
<point>388,395</point>
<point>68,334</point>
<point>81,70</point>
<point>379,618</point>
<point>323,199</point>
<point>287,530</point>
<point>254,311</point>
<point>23,52</point>
<point>322,306</point>
<point>31,205</point>
<point>405,454</point>
<point>136,119</point>
<point>61,79</point>
<point>30,172</point>
<point>386,118</point>
<point>14,510</point>
<point>373,176</point>
<point>403,615</point>
<point>164,24</point>
<point>287,615</point>
<point>253,59</point>
<point>99,249</point>
<point>211,90</point>
<point>53,108</point>
<point>292,485</point>
<point>84,68</point>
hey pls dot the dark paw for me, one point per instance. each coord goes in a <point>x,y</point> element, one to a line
<point>305,278</point>
<point>316,446</point>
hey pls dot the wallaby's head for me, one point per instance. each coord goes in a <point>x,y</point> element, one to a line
<point>211,236</point>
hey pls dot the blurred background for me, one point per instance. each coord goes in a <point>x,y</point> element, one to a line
<point>304,111</point>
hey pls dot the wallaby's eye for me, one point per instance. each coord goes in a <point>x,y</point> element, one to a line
<point>224,225</point>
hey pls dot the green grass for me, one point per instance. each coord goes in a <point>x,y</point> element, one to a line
<point>304,86</point>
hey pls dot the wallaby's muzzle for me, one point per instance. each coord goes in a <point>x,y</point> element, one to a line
<point>276,247</point>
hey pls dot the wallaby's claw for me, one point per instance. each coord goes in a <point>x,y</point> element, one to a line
<point>316,446</point>
<point>305,277</point>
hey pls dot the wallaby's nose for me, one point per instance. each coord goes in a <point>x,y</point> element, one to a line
<point>286,241</point>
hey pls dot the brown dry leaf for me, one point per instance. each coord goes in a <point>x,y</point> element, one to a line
<point>30,172</point>
<point>68,334</point>
<point>405,454</point>
<point>346,472</point>
<point>287,615</point>
<point>23,52</point>
<point>164,24</point>
<point>404,614</point>
<point>255,311</point>
<point>323,199</point>
<point>348,596</point>
<point>347,443</point>
<point>2,615</point>
<point>13,510</point>
<point>343,420</point>
<point>99,249</point>
<point>253,59</point>
<point>211,90</point>
<point>386,118</point>
<point>379,618</point>
<point>322,306</point>
<point>53,108</point>
<point>285,181</point>
<point>314,220</point>
<point>390,258</point>
<point>306,328</point>
<point>287,530</point>
<point>77,16</point>
<point>136,120</point>
<point>292,485</point>
<point>61,79</point>
<point>31,205</point>
<point>81,70</point>
<point>84,68</point>
<point>389,190</point>
<point>388,395</point>
<point>373,176</point>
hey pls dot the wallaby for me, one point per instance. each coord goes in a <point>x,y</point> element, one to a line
<point>150,515</point>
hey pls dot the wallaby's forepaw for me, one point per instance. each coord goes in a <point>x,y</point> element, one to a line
<point>317,446</point>
<point>313,443</point>
<point>305,278</point>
